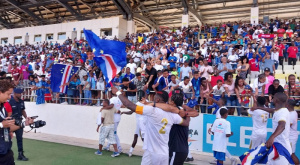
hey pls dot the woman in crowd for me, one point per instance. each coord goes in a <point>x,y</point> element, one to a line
<point>292,88</point>
<point>243,93</point>
<point>229,92</point>
<point>101,86</point>
<point>273,89</point>
<point>259,85</point>
<point>243,71</point>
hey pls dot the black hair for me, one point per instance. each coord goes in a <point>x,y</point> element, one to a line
<point>165,70</point>
<point>137,74</point>
<point>276,80</point>
<point>261,76</point>
<point>261,101</point>
<point>236,83</point>
<point>291,102</point>
<point>282,97</point>
<point>5,86</point>
<point>227,75</point>
<point>196,72</point>
<point>2,73</point>
<point>223,111</point>
<point>242,59</point>
<point>106,100</point>
<point>177,98</point>
<point>125,79</point>
<point>219,81</point>
<point>163,95</point>
<point>140,94</point>
<point>202,79</point>
<point>186,77</point>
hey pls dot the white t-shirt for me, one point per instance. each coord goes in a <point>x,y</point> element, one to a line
<point>205,70</point>
<point>117,104</point>
<point>218,92</point>
<point>220,128</point>
<point>257,84</point>
<point>185,88</point>
<point>275,56</point>
<point>233,57</point>
<point>218,115</point>
<point>158,67</point>
<point>99,119</point>
<point>293,131</point>
<point>260,120</point>
<point>132,67</point>
<point>185,71</point>
<point>158,126</point>
<point>136,56</point>
<point>282,114</point>
<point>256,33</point>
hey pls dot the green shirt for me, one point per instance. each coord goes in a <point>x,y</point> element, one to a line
<point>186,57</point>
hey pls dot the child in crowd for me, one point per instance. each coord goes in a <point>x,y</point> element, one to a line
<point>74,86</point>
<point>101,87</point>
<point>92,80</point>
<point>196,81</point>
<point>86,90</point>
<point>32,84</point>
<point>221,131</point>
<point>48,91</point>
<point>39,88</point>
<point>218,92</point>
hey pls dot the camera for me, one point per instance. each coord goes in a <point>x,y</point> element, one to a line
<point>18,120</point>
<point>38,124</point>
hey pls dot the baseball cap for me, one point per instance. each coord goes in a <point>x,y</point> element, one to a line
<point>18,90</point>
<point>267,69</point>
<point>247,87</point>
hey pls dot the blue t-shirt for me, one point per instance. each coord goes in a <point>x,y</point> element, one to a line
<point>47,91</point>
<point>162,83</point>
<point>172,64</point>
<point>49,61</point>
<point>129,76</point>
<point>92,82</point>
<point>268,48</point>
<point>83,56</point>
<point>196,85</point>
<point>249,55</point>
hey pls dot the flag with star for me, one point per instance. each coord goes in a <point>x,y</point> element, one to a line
<point>261,154</point>
<point>110,56</point>
<point>60,75</point>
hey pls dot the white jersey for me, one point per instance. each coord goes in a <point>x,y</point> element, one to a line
<point>220,128</point>
<point>218,115</point>
<point>158,128</point>
<point>260,120</point>
<point>117,104</point>
<point>293,130</point>
<point>282,114</point>
<point>138,116</point>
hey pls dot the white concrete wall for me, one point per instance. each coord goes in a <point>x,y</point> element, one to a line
<point>78,121</point>
<point>95,25</point>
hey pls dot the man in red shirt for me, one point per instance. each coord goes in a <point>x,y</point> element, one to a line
<point>292,51</point>
<point>254,67</point>
<point>16,73</point>
<point>215,78</point>
<point>280,47</point>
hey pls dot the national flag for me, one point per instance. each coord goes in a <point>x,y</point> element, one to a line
<point>61,74</point>
<point>110,56</point>
<point>262,154</point>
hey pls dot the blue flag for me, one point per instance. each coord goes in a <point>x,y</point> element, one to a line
<point>61,74</point>
<point>110,56</point>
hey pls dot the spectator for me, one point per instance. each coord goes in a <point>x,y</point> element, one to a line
<point>172,60</point>
<point>132,66</point>
<point>196,82</point>
<point>174,83</point>
<point>100,86</point>
<point>243,70</point>
<point>269,63</point>
<point>150,80</point>
<point>204,92</point>
<point>206,70</point>
<point>292,87</point>
<point>16,74</point>
<point>243,93</point>
<point>224,67</point>
<point>259,85</point>
<point>87,90</point>
<point>269,77</point>
<point>275,56</point>
<point>233,58</point>
<point>139,81</point>
<point>292,54</point>
<point>218,91</point>
<point>185,71</point>
<point>254,67</point>
<point>229,92</point>
<point>128,74</point>
<point>162,81</point>
<point>130,90</point>
<point>187,88</point>
<point>273,89</point>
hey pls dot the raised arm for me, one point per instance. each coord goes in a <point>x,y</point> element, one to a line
<point>130,105</point>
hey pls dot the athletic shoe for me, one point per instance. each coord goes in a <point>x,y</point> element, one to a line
<point>189,159</point>
<point>213,162</point>
<point>233,161</point>
<point>115,154</point>
<point>98,152</point>
<point>105,148</point>
<point>129,154</point>
<point>120,150</point>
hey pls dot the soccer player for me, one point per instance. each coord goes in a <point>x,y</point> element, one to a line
<point>221,131</point>
<point>259,119</point>
<point>293,132</point>
<point>158,128</point>
<point>178,143</point>
<point>281,127</point>
<point>139,130</point>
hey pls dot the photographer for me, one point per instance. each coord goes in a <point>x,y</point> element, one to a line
<point>18,110</point>
<point>7,125</point>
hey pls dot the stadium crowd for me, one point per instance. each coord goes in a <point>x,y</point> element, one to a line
<point>229,54</point>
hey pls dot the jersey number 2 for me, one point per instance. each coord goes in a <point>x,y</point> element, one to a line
<point>162,130</point>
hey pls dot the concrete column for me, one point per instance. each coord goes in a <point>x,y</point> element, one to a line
<point>26,38</point>
<point>185,20</point>
<point>254,15</point>
<point>131,26</point>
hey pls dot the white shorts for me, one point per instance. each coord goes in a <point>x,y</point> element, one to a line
<point>257,140</point>
<point>293,145</point>
<point>150,158</point>
<point>100,86</point>
<point>107,132</point>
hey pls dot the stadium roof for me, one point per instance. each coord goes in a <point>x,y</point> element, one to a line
<point>147,13</point>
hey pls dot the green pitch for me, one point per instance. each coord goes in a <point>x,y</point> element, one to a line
<point>47,153</point>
